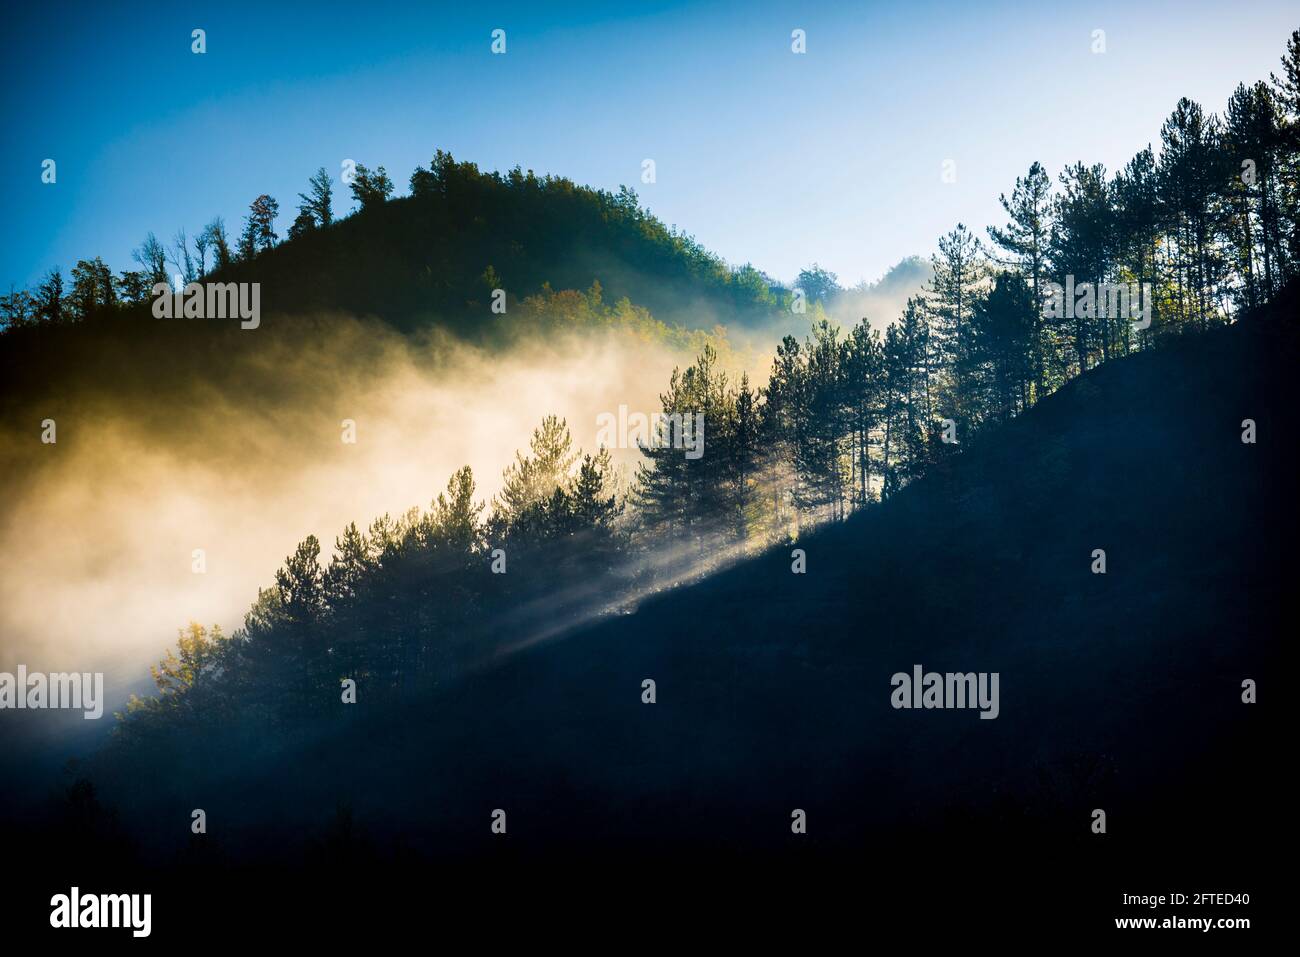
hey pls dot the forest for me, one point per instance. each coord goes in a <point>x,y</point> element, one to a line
<point>1210,219</point>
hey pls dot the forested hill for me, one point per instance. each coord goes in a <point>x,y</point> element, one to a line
<point>440,253</point>
<point>434,256</point>
<point>773,689</point>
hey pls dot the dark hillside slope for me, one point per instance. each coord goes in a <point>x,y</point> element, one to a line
<point>1119,691</point>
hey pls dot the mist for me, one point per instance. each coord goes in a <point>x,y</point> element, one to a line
<point>884,300</point>
<point>98,531</point>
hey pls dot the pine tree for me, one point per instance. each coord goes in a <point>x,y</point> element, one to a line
<point>455,515</point>
<point>285,632</point>
<point>1002,334</point>
<point>903,399</point>
<point>864,407</point>
<point>259,227</point>
<point>49,297</point>
<point>1190,180</point>
<point>1254,141</point>
<point>820,447</point>
<point>317,205</point>
<point>1083,246</point>
<point>1139,228</point>
<point>745,463</point>
<point>777,420</point>
<point>1025,239</point>
<point>681,497</point>
<point>531,480</point>
<point>344,585</point>
<point>1286,88</point>
<point>958,271</point>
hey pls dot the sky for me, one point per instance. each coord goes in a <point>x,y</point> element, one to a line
<point>764,155</point>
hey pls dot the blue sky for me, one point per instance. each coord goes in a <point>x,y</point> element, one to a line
<point>763,155</point>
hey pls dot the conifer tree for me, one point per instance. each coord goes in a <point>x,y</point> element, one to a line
<point>1025,240</point>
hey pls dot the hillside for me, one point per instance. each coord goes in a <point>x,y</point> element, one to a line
<point>1119,691</point>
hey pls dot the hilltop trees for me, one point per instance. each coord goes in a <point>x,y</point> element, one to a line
<point>1287,91</point>
<point>369,188</point>
<point>259,232</point>
<point>818,284</point>
<point>1002,349</point>
<point>445,173</point>
<point>302,223</point>
<point>959,270</point>
<point>49,297</point>
<point>1207,219</point>
<point>546,231</point>
<point>215,234</point>
<point>1024,241</point>
<point>17,309</point>
<point>1201,227</point>
<point>1138,221</point>
<point>1255,143</point>
<point>152,257</point>
<point>1083,247</point>
<point>1190,181</point>
<point>181,261</point>
<point>93,287</point>
<point>318,205</point>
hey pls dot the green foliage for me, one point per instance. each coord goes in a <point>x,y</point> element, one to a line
<point>533,479</point>
<point>188,680</point>
<point>682,496</point>
<point>571,310</point>
<point>818,284</point>
<point>93,287</point>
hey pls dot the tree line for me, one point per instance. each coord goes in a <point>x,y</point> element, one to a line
<point>1210,223</point>
<point>538,224</point>
<point>92,288</point>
